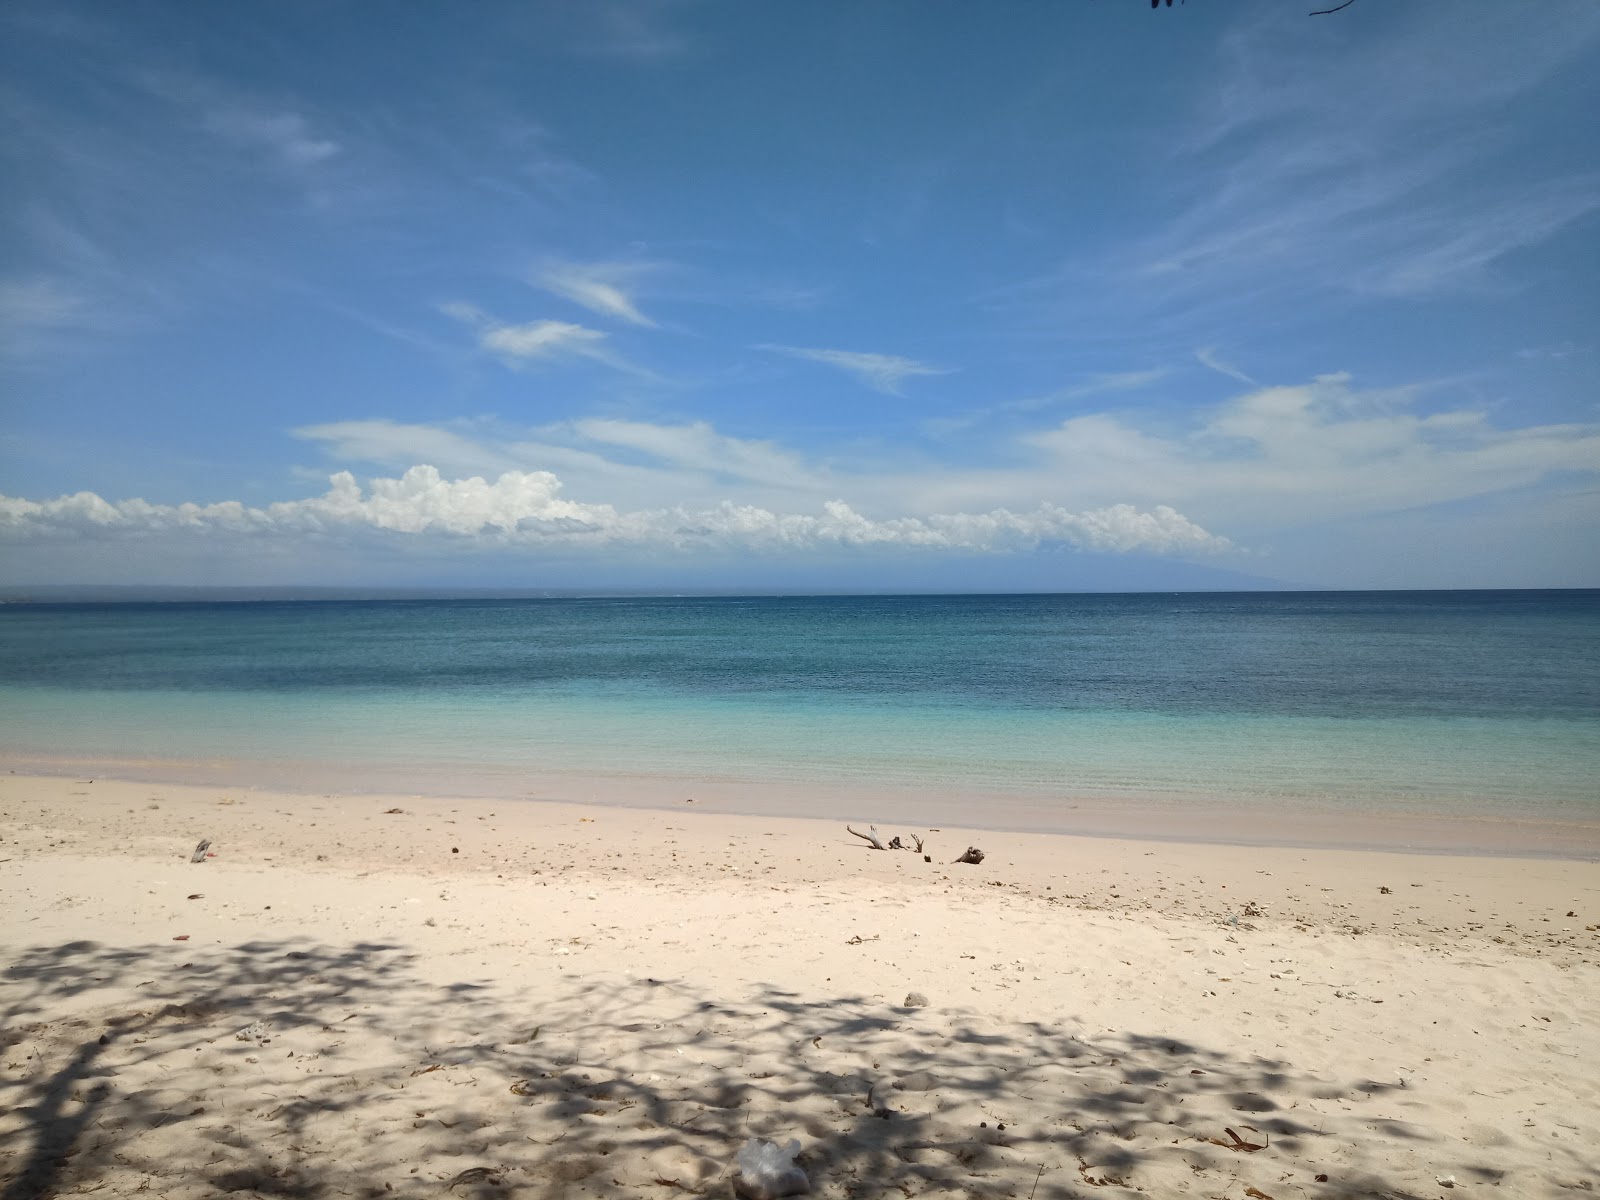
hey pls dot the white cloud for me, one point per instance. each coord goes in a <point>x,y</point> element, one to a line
<point>699,447</point>
<point>629,463</point>
<point>599,287</point>
<point>541,339</point>
<point>537,341</point>
<point>1554,353</point>
<point>1267,461</point>
<point>1206,356</point>
<point>524,509</point>
<point>1288,471</point>
<point>1102,383</point>
<point>1112,381</point>
<point>881,372</point>
<point>1279,456</point>
<point>287,135</point>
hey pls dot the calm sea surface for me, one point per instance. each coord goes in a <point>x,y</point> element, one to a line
<point>1476,703</point>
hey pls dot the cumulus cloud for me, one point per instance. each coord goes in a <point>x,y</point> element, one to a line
<point>881,372</point>
<point>600,287</point>
<point>525,509</point>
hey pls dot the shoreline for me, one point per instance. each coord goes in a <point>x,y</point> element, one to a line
<point>1215,821</point>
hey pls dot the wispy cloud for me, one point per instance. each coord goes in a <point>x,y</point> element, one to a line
<point>1112,381</point>
<point>1206,356</point>
<point>1556,353</point>
<point>287,136</point>
<point>1099,384</point>
<point>699,447</point>
<point>539,341</point>
<point>882,372</point>
<point>1324,451</point>
<point>33,311</point>
<point>1292,189</point>
<point>1439,253</point>
<point>632,29</point>
<point>601,287</point>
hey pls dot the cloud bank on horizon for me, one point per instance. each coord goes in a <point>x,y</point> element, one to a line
<point>708,297</point>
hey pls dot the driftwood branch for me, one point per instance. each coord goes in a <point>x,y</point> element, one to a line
<point>876,839</point>
<point>199,854</point>
<point>973,856</point>
<point>877,842</point>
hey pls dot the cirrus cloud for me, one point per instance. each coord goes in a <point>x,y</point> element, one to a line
<point>881,372</point>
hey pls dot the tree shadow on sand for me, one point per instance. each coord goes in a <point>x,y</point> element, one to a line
<point>282,1069</point>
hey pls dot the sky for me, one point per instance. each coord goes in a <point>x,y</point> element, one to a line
<point>916,294</point>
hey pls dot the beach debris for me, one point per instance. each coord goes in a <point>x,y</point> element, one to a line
<point>1386,891</point>
<point>200,854</point>
<point>490,1175</point>
<point>394,812</point>
<point>876,840</point>
<point>768,1171</point>
<point>858,939</point>
<point>254,1032</point>
<point>182,937</point>
<point>1256,1194</point>
<point>973,856</point>
<point>1238,1143</point>
<point>682,1168</point>
<point>916,1000</point>
<point>1445,1181</point>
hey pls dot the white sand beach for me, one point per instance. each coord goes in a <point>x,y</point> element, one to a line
<point>422,997</point>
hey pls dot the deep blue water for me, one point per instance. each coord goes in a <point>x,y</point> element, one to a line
<point>1477,702</point>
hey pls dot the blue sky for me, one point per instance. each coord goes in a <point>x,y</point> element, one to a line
<point>916,294</point>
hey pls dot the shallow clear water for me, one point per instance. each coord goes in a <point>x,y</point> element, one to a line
<point>1478,703</point>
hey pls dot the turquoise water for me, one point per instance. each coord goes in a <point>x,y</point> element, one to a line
<point>1470,703</point>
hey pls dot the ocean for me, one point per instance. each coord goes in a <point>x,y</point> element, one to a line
<point>1467,704</point>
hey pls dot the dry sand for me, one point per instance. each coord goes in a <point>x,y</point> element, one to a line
<point>471,998</point>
